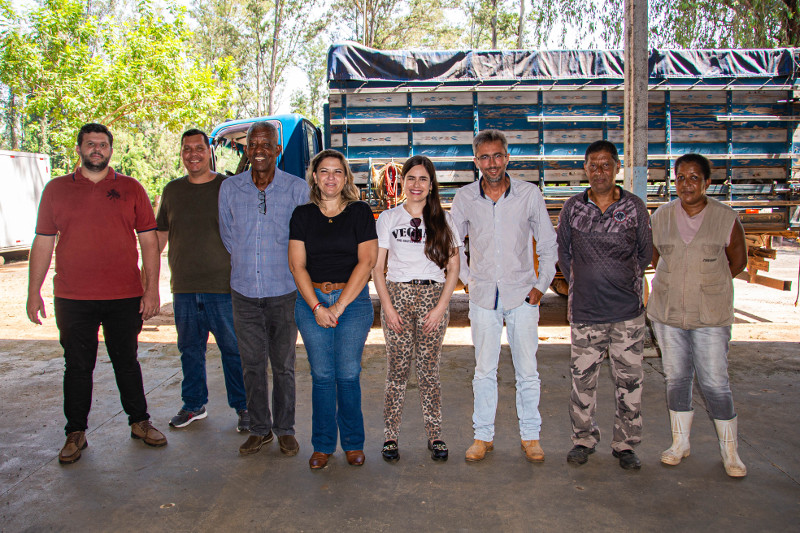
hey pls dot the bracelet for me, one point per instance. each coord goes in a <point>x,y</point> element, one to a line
<point>314,309</point>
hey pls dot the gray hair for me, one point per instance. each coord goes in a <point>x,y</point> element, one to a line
<point>488,136</point>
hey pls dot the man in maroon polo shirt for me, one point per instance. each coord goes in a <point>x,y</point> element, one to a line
<point>92,218</point>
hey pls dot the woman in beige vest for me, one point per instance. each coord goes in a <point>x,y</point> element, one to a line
<point>698,248</point>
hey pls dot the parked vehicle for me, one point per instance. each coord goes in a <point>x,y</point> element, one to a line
<point>736,107</point>
<point>23,176</point>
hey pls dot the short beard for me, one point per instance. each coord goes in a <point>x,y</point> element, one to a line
<point>88,165</point>
<point>498,180</point>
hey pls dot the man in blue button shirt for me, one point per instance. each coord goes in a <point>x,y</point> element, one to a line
<point>254,211</point>
<point>502,217</point>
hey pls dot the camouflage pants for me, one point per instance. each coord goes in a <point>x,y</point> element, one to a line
<point>624,342</point>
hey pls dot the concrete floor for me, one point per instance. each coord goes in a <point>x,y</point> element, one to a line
<point>200,483</point>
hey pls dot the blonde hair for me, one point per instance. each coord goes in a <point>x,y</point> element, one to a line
<point>349,192</point>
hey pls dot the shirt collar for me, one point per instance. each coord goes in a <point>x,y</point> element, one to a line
<point>586,200</point>
<point>505,195</point>
<point>78,175</point>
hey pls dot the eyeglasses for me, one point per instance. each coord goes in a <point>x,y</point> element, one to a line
<point>485,158</point>
<point>262,202</point>
<point>416,233</point>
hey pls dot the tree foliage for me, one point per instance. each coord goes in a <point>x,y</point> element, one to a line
<point>66,68</point>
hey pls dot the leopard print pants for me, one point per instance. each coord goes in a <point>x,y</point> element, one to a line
<point>412,302</point>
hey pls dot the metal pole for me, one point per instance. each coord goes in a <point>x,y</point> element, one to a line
<point>636,79</point>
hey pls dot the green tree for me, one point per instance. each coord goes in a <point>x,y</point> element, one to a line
<point>312,60</point>
<point>65,68</point>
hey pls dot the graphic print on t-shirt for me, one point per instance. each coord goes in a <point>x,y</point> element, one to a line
<point>405,235</point>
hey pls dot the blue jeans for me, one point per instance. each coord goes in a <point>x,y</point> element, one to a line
<point>487,327</point>
<point>703,351</point>
<point>334,355</point>
<point>197,314</point>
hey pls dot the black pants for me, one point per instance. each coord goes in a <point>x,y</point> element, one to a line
<point>78,323</point>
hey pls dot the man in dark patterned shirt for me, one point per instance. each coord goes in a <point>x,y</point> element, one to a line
<point>604,245</point>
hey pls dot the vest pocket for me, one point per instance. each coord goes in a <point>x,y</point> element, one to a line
<point>714,304</point>
<point>711,258</point>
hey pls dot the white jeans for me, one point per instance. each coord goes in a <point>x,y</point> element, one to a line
<point>487,327</point>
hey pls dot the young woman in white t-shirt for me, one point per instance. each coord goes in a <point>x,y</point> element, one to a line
<point>420,244</point>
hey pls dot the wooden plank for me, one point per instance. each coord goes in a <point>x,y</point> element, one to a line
<point>455,176</point>
<point>524,174</point>
<point>571,175</point>
<point>758,97</point>
<point>618,97</point>
<point>697,97</point>
<point>653,136</point>
<point>440,99</point>
<point>376,100</point>
<point>444,138</point>
<point>336,140</point>
<point>580,136</point>
<point>573,97</point>
<point>760,173</point>
<point>335,100</point>
<point>522,136</point>
<point>757,263</point>
<point>763,252</point>
<point>772,283</point>
<point>754,135</point>
<point>692,135</point>
<point>395,138</point>
<point>508,98</point>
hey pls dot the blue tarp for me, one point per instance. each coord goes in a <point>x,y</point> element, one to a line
<point>353,62</point>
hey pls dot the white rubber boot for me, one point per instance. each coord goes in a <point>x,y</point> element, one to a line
<point>727,432</point>
<point>681,423</point>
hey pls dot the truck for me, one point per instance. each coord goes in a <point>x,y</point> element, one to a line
<point>736,107</point>
<point>24,176</point>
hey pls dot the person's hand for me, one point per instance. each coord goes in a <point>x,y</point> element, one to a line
<point>325,317</point>
<point>433,320</point>
<point>534,296</point>
<point>338,309</point>
<point>392,319</point>
<point>150,305</point>
<point>34,308</point>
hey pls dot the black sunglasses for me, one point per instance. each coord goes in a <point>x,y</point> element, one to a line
<point>262,202</point>
<point>416,233</point>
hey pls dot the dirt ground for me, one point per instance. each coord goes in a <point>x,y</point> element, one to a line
<point>761,313</point>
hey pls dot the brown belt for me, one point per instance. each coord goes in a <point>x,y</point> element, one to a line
<point>328,287</point>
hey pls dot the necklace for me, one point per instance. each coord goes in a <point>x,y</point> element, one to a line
<point>330,217</point>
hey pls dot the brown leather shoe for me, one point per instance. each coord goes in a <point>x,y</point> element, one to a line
<point>255,443</point>
<point>478,450</point>
<point>289,445</point>
<point>71,452</point>
<point>318,460</point>
<point>145,431</point>
<point>355,457</point>
<point>533,451</point>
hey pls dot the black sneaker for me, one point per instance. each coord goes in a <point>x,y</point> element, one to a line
<point>627,459</point>
<point>244,421</point>
<point>578,455</point>
<point>438,450</point>
<point>184,417</point>
<point>390,451</point>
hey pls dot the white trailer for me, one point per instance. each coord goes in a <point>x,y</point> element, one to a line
<point>22,179</point>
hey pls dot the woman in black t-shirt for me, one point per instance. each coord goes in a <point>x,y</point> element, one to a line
<point>333,247</point>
